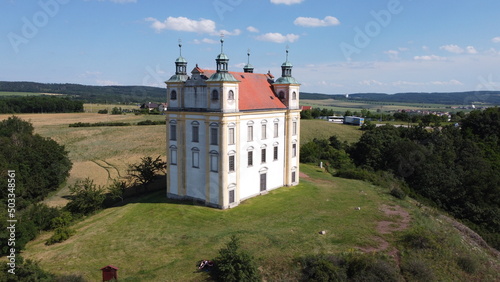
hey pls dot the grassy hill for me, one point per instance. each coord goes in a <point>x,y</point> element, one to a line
<point>155,239</point>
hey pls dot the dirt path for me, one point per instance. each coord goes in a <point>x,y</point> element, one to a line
<point>400,221</point>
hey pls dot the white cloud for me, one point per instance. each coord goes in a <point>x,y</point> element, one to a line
<point>429,58</point>
<point>183,24</point>
<point>205,40</point>
<point>371,83</point>
<point>471,50</point>
<point>496,39</point>
<point>425,48</point>
<point>106,82</point>
<point>287,2</point>
<point>459,50</point>
<point>452,49</point>
<point>232,33</point>
<point>315,22</point>
<point>278,37</point>
<point>252,29</point>
<point>393,54</point>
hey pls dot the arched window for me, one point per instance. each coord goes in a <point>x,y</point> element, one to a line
<point>294,95</point>
<point>281,95</point>
<point>215,95</point>
<point>230,95</point>
<point>173,95</point>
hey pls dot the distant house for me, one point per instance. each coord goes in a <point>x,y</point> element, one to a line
<point>162,107</point>
<point>150,106</point>
<point>306,108</point>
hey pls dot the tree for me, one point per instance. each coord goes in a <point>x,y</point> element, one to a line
<point>87,197</point>
<point>234,264</point>
<point>145,171</point>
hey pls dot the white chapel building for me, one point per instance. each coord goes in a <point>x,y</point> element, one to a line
<point>231,135</point>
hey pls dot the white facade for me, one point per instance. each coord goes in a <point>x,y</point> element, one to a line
<point>230,135</point>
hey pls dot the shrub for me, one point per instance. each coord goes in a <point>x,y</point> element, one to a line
<point>398,193</point>
<point>322,268</point>
<point>64,219</point>
<point>150,122</point>
<point>467,264</point>
<point>233,264</point>
<point>60,234</point>
<point>417,270</point>
<point>419,239</point>
<point>368,267</point>
<point>105,111</point>
<point>86,197</point>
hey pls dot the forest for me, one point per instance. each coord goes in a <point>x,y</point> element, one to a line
<point>454,168</point>
<point>39,104</point>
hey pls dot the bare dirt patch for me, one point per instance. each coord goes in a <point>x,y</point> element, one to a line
<point>400,221</point>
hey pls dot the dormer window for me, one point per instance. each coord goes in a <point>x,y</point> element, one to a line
<point>230,95</point>
<point>173,95</point>
<point>215,95</point>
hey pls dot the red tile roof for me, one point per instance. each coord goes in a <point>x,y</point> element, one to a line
<point>255,90</point>
<point>306,108</point>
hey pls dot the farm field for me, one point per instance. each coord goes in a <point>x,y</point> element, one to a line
<point>322,129</point>
<point>100,153</point>
<point>341,106</point>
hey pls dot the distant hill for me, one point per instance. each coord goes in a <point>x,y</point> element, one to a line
<point>141,94</point>
<point>96,94</point>
<point>448,98</point>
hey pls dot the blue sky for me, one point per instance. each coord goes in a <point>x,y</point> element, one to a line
<point>336,46</point>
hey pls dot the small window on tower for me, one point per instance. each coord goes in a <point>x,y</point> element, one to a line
<point>173,95</point>
<point>230,95</point>
<point>215,95</point>
<point>281,95</point>
<point>294,95</point>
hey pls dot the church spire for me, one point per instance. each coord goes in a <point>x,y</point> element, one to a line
<point>222,60</point>
<point>180,63</point>
<point>286,67</point>
<point>248,67</point>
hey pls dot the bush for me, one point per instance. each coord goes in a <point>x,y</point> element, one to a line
<point>368,267</point>
<point>233,264</point>
<point>63,220</point>
<point>419,239</point>
<point>60,234</point>
<point>150,122</point>
<point>105,111</point>
<point>86,197</point>
<point>417,270</point>
<point>398,193</point>
<point>467,264</point>
<point>322,268</point>
<point>28,270</point>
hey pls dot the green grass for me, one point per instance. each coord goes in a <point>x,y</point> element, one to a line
<point>321,129</point>
<point>340,106</point>
<point>154,238</point>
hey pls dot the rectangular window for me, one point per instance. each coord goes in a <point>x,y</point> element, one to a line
<point>196,159</point>
<point>264,136</point>
<point>293,176</point>
<point>294,128</point>
<point>294,150</point>
<point>275,153</point>
<point>250,133</point>
<point>231,136</point>
<point>263,156</point>
<point>173,132</point>
<point>214,138</point>
<point>231,163</point>
<point>196,135</point>
<point>276,130</point>
<point>231,196</point>
<point>214,163</point>
<point>173,156</point>
<point>250,158</point>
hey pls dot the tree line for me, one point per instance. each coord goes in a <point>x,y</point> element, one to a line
<point>39,104</point>
<point>453,168</point>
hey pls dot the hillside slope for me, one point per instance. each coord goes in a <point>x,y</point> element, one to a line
<point>154,239</point>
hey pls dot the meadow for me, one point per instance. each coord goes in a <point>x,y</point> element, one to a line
<point>99,153</point>
<point>341,106</point>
